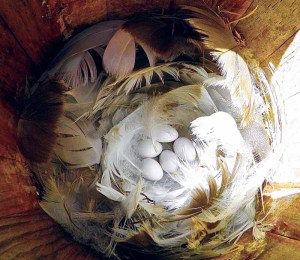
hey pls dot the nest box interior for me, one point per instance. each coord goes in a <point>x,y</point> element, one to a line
<point>31,32</point>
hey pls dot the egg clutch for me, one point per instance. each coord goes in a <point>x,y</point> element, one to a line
<point>152,134</point>
<point>168,160</point>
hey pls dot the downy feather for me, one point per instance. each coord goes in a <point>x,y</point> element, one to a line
<point>219,129</point>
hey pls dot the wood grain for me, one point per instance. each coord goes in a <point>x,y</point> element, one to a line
<point>31,31</point>
<point>14,62</point>
<point>231,9</point>
<point>33,26</point>
<point>76,14</point>
<point>269,30</point>
<point>16,188</point>
<point>115,8</point>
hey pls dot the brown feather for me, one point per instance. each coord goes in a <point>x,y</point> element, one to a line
<point>38,122</point>
<point>225,175</point>
<point>140,239</point>
<point>200,200</point>
<point>161,38</point>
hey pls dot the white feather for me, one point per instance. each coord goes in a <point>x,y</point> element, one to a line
<point>239,80</point>
<point>110,193</point>
<point>219,129</point>
<point>131,202</point>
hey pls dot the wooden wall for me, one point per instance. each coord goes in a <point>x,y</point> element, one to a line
<point>31,32</point>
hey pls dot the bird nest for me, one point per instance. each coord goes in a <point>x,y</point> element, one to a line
<point>155,134</point>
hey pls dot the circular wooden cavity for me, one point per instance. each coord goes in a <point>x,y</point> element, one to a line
<point>32,31</point>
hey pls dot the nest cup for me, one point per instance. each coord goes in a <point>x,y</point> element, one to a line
<point>28,43</point>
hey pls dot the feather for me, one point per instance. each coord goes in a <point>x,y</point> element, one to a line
<point>39,120</point>
<point>192,75</point>
<point>110,193</point>
<point>75,58</point>
<point>119,56</point>
<point>113,93</point>
<point>224,49</point>
<point>117,157</point>
<point>238,78</point>
<point>57,198</point>
<point>219,129</point>
<point>129,203</point>
<point>138,239</point>
<point>160,38</point>
<point>79,70</point>
<point>160,35</point>
<point>199,201</point>
<point>132,200</point>
<point>105,125</point>
<point>257,139</point>
<point>221,96</point>
<point>225,175</point>
<point>80,101</point>
<point>186,99</point>
<point>160,237</point>
<point>53,203</point>
<point>78,144</point>
<point>69,201</point>
<point>86,92</point>
<point>134,80</point>
<point>102,217</point>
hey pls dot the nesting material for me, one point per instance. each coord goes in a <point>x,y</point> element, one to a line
<point>158,147</point>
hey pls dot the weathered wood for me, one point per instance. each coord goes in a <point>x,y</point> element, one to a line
<point>232,9</point>
<point>115,9</point>
<point>33,25</point>
<point>279,247</point>
<point>34,235</point>
<point>72,15</point>
<point>15,184</point>
<point>270,28</point>
<point>26,232</point>
<point>31,31</point>
<point>14,63</point>
<point>286,217</point>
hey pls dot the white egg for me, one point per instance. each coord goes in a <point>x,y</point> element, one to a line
<point>168,161</point>
<point>184,149</point>
<point>165,134</point>
<point>151,170</point>
<point>149,148</point>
